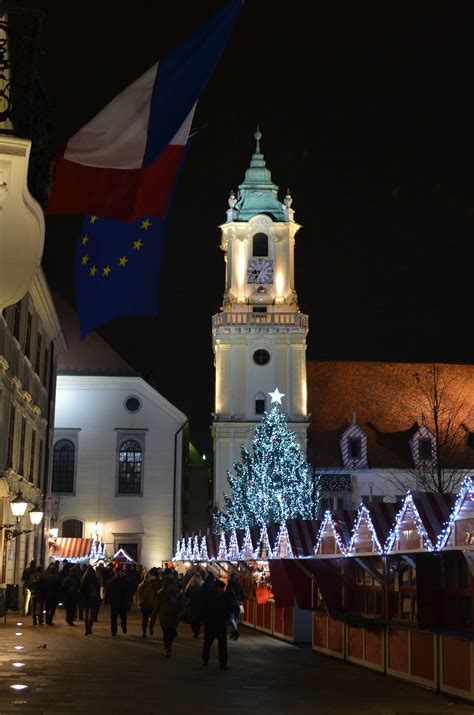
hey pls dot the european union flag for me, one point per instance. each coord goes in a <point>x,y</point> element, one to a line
<point>117,269</point>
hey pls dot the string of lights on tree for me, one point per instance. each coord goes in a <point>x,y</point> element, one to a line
<point>273,481</point>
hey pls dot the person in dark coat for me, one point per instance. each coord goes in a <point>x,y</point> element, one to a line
<point>70,589</point>
<point>36,587</point>
<point>236,596</point>
<point>90,592</point>
<point>51,592</point>
<point>168,609</point>
<point>215,614</point>
<point>117,593</point>
<point>193,603</point>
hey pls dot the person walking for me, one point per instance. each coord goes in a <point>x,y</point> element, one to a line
<point>236,596</point>
<point>117,593</point>
<point>36,587</point>
<point>70,589</point>
<point>25,577</point>
<point>147,599</point>
<point>215,614</point>
<point>51,592</point>
<point>168,609</point>
<point>192,595</point>
<point>90,592</point>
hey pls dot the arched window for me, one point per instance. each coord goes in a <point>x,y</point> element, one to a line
<point>260,244</point>
<point>64,457</point>
<point>72,528</point>
<point>130,468</point>
<point>260,403</point>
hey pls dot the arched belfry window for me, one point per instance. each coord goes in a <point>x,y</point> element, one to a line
<point>260,403</point>
<point>130,467</point>
<point>64,457</point>
<point>72,528</point>
<point>260,244</point>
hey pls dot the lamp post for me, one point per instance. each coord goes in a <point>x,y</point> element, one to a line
<point>18,506</point>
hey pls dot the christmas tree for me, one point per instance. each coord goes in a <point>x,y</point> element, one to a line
<point>272,482</point>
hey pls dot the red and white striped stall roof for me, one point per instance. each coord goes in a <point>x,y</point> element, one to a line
<point>303,534</point>
<point>382,515</point>
<point>434,510</point>
<point>71,548</point>
<point>273,530</point>
<point>344,521</point>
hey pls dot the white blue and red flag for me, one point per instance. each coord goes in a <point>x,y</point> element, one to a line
<point>124,162</point>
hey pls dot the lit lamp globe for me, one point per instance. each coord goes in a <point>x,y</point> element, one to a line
<point>18,506</point>
<point>36,515</point>
<point>53,532</point>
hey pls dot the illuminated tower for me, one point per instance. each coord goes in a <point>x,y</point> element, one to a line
<point>259,336</point>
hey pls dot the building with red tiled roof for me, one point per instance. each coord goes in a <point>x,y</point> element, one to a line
<point>371,421</point>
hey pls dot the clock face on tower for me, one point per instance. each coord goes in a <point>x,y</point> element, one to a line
<point>260,270</point>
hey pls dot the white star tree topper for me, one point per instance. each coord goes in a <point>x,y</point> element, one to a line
<point>276,396</point>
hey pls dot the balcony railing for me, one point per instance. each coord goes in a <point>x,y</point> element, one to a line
<point>298,320</point>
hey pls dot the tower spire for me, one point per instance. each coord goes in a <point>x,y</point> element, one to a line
<point>257,136</point>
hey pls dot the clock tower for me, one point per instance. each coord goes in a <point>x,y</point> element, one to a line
<point>259,335</point>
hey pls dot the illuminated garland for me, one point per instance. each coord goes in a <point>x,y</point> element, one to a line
<point>196,551</point>
<point>329,520</point>
<point>467,488</point>
<point>248,551</point>
<point>264,550</point>
<point>189,549</point>
<point>204,553</point>
<point>222,550</point>
<point>177,554</point>
<point>408,503</point>
<point>233,553</point>
<point>283,538</point>
<point>362,514</point>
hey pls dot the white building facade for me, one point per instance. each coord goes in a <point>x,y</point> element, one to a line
<point>117,456</point>
<point>31,341</point>
<point>259,336</point>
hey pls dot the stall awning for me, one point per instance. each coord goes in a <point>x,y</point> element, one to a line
<point>71,548</point>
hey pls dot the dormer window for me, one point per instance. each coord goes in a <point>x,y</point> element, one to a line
<point>354,447</point>
<point>423,448</point>
<point>260,245</point>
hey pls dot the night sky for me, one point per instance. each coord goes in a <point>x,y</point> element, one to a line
<point>366,115</point>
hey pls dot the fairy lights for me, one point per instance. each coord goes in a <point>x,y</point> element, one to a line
<point>222,550</point>
<point>407,519</point>
<point>409,511</point>
<point>364,520</point>
<point>283,548</point>
<point>328,521</point>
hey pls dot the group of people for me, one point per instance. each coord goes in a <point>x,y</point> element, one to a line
<point>163,595</point>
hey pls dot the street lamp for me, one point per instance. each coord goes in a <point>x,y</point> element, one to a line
<point>18,506</point>
<point>36,515</point>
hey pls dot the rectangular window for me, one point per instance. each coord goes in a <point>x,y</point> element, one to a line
<point>45,367</point>
<point>32,455</point>
<point>11,436</point>
<point>29,321</point>
<point>21,460</point>
<point>16,321</point>
<point>259,407</point>
<point>259,309</point>
<point>38,353</point>
<point>41,482</point>
<point>354,447</point>
<point>426,452</point>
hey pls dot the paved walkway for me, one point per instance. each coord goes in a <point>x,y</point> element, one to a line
<point>68,673</point>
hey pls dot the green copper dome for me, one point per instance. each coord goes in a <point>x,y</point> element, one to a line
<point>258,194</point>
